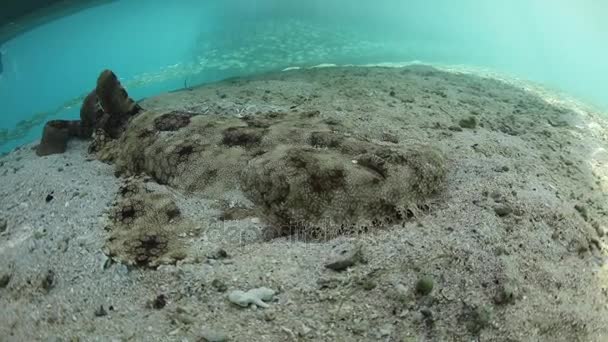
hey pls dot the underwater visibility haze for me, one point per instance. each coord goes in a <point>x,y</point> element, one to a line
<point>160,46</point>
<point>323,170</point>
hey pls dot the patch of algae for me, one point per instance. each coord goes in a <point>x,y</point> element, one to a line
<point>306,175</point>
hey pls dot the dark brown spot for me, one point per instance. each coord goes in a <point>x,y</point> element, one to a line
<point>172,121</point>
<point>327,180</point>
<point>159,302</point>
<point>127,212</point>
<point>185,151</point>
<point>241,136</point>
<point>310,114</point>
<point>325,139</point>
<point>150,247</point>
<point>173,213</point>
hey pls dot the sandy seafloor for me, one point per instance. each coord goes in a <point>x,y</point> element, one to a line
<point>540,155</point>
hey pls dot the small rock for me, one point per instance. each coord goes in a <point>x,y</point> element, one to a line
<point>220,254</point>
<point>100,312</point>
<point>105,261</point>
<point>424,286</point>
<point>497,197</point>
<point>304,330</point>
<point>182,315</point>
<point>501,250</point>
<point>3,225</point>
<point>390,137</point>
<point>360,327</point>
<point>401,293</point>
<point>503,210</point>
<point>479,319</point>
<point>184,318</point>
<point>368,285</point>
<point>582,210</point>
<point>341,265</point>
<point>159,302</point>
<point>289,332</point>
<point>596,242</point>
<point>208,335</point>
<point>269,315</point>
<point>392,93</point>
<point>343,258</point>
<point>469,123</point>
<point>49,197</point>
<point>385,330</point>
<point>5,279</point>
<point>328,283</point>
<point>505,295</point>
<point>580,246</point>
<point>219,285</point>
<point>39,234</point>
<point>48,281</point>
<point>601,231</point>
<point>427,313</point>
<point>455,128</point>
<point>557,123</point>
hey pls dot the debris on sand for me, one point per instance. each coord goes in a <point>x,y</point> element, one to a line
<point>209,335</point>
<point>503,210</point>
<point>256,297</point>
<point>48,281</point>
<point>100,311</point>
<point>343,257</point>
<point>470,123</point>
<point>159,302</point>
<point>3,225</point>
<point>219,285</point>
<point>55,136</point>
<point>424,286</point>
<point>5,279</point>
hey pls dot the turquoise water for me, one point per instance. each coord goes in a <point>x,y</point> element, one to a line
<point>157,46</point>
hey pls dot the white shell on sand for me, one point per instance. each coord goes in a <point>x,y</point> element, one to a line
<point>255,296</point>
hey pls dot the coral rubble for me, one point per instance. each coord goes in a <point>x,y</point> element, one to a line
<point>55,136</point>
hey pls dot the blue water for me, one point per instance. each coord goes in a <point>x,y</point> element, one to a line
<point>157,46</point>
